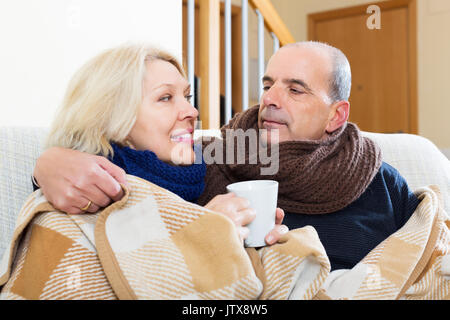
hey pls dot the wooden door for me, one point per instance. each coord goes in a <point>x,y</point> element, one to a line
<point>383,61</point>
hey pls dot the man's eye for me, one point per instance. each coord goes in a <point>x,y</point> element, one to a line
<point>295,91</point>
<point>165,98</point>
<point>265,88</point>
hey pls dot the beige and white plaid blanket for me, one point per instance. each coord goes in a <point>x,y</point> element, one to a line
<point>153,245</point>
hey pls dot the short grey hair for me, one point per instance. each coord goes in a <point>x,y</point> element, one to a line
<point>341,76</point>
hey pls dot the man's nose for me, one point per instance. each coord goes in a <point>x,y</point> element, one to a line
<point>272,96</point>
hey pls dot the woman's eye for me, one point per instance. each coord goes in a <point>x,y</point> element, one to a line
<point>165,98</point>
<point>188,97</point>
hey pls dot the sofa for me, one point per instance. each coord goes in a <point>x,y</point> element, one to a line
<point>417,159</point>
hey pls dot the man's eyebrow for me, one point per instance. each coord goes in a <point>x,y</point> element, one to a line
<point>299,82</point>
<point>267,78</point>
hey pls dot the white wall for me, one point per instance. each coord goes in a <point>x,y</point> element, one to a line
<point>43,42</point>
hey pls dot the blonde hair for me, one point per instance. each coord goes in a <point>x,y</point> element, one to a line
<point>103,98</point>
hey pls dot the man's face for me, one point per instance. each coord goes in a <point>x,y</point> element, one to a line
<point>295,99</point>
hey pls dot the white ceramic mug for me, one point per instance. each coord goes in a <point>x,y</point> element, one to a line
<point>262,195</point>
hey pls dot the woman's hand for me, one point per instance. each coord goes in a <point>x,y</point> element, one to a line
<point>280,229</point>
<point>69,179</point>
<point>236,209</point>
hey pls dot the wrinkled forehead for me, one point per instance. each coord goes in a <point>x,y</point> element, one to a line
<point>311,65</point>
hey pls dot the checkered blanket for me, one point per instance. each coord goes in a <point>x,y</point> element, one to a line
<point>413,263</point>
<point>153,245</point>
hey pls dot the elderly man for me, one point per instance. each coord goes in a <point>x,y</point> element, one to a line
<point>330,177</point>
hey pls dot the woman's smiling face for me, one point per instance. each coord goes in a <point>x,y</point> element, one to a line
<point>166,119</point>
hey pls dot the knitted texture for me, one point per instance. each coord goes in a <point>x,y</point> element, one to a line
<point>185,181</point>
<point>315,177</point>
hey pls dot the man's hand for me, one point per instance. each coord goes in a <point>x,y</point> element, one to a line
<point>70,179</point>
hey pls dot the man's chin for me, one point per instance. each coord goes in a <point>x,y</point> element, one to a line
<point>269,137</point>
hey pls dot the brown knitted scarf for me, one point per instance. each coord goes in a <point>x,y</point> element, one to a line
<point>315,177</point>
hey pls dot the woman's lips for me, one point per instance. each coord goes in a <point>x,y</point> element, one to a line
<point>183,138</point>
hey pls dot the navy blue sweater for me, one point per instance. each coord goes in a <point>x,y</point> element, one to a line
<point>349,234</point>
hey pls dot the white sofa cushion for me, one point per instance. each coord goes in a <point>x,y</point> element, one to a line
<point>417,159</point>
<point>19,149</point>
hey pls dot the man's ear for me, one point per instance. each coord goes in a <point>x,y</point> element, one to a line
<point>338,115</point>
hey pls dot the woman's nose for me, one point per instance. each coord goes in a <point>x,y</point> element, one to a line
<point>188,111</point>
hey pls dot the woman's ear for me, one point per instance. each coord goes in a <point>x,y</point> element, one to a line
<point>338,115</point>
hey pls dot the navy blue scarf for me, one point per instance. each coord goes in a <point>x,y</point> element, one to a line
<point>188,182</point>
